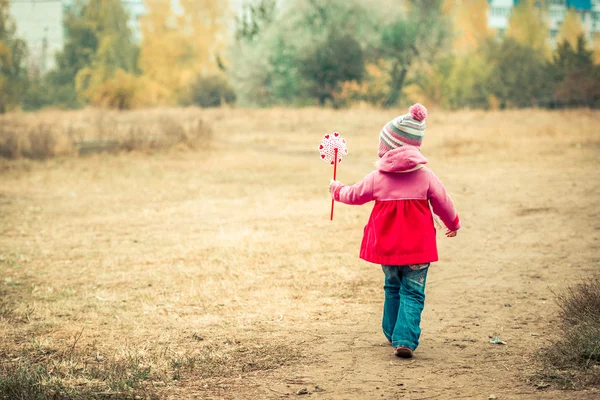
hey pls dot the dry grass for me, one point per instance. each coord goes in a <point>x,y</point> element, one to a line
<point>218,274</point>
<point>50,134</point>
<point>573,359</point>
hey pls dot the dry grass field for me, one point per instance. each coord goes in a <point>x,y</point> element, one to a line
<point>215,273</point>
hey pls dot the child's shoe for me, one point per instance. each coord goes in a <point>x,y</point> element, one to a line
<point>403,352</point>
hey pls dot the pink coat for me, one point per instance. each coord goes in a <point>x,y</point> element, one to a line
<point>400,230</point>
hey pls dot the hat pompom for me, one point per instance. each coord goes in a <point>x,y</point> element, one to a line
<point>418,112</point>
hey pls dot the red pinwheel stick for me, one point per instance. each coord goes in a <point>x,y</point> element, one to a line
<point>334,177</point>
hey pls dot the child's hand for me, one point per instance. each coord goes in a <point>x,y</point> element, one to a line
<point>331,183</point>
<point>450,233</point>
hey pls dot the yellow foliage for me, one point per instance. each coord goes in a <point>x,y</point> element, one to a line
<point>527,25</point>
<point>570,29</point>
<point>121,91</point>
<point>5,55</point>
<point>373,89</point>
<point>179,45</point>
<point>470,23</point>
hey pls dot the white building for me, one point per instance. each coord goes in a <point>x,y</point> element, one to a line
<point>40,24</point>
<point>588,10</point>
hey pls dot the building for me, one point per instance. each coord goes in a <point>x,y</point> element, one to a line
<point>40,24</point>
<point>588,10</point>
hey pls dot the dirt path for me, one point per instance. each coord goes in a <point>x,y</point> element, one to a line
<point>235,245</point>
<point>527,232</point>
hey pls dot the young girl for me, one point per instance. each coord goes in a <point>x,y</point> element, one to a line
<point>400,234</point>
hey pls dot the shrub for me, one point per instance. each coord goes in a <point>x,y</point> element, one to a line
<point>50,134</point>
<point>574,357</point>
<point>337,59</point>
<point>38,141</point>
<point>212,91</point>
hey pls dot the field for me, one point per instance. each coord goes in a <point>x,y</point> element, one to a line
<point>214,272</point>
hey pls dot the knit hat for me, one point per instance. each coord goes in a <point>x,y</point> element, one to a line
<point>406,129</point>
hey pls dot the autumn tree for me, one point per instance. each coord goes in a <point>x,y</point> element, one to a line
<point>412,39</point>
<point>527,26</point>
<point>12,56</point>
<point>180,45</point>
<point>57,88</point>
<point>571,28</point>
<point>114,62</point>
<point>469,18</point>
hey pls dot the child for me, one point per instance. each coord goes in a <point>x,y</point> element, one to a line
<point>400,233</point>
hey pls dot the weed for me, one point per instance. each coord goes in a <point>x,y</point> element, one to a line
<point>573,359</point>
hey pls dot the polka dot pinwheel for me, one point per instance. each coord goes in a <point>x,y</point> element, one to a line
<point>331,150</point>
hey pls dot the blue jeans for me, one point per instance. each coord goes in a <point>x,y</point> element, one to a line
<point>404,301</point>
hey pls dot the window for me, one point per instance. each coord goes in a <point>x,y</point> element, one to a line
<point>500,11</point>
<point>557,14</point>
<point>558,2</point>
<point>553,33</point>
<point>596,21</point>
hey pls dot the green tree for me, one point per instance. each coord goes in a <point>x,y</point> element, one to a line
<point>254,18</point>
<point>211,91</point>
<point>337,59</point>
<point>114,52</point>
<point>575,77</point>
<point>97,64</point>
<point>12,56</point>
<point>81,44</point>
<point>408,41</point>
<point>519,75</point>
<point>274,67</point>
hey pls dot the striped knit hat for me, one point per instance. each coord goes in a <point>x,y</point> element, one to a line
<point>407,130</point>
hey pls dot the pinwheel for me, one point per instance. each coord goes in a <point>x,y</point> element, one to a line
<point>331,149</point>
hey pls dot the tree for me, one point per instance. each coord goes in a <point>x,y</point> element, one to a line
<point>254,18</point>
<point>98,64</point>
<point>409,41</point>
<point>527,26</point>
<point>179,45</point>
<point>470,24</point>
<point>575,77</point>
<point>571,28</point>
<point>12,56</point>
<point>399,46</point>
<point>337,59</point>
<point>211,91</point>
<point>274,67</point>
<point>519,75</point>
<point>114,60</point>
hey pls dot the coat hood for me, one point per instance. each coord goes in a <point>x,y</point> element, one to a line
<point>402,159</point>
